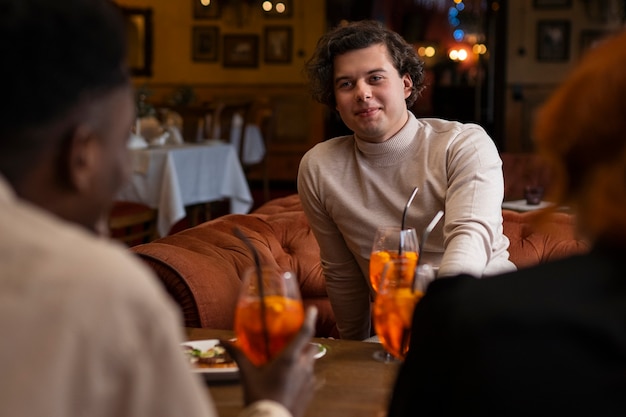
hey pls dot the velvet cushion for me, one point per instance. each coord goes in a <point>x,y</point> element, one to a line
<point>200,267</point>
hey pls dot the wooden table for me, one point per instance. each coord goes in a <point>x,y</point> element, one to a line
<point>351,382</point>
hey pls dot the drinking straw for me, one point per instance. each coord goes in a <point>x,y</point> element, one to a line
<point>402,228</point>
<point>427,231</point>
<point>424,236</point>
<point>259,275</point>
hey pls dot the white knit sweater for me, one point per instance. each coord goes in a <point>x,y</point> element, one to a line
<point>349,187</point>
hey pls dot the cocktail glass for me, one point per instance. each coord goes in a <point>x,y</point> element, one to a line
<point>269,312</point>
<point>398,294</point>
<point>392,243</point>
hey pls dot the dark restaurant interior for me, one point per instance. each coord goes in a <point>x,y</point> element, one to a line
<point>491,62</point>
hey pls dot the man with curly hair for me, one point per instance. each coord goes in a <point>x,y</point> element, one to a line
<point>351,185</point>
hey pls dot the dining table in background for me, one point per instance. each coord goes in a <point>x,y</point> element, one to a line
<point>168,178</point>
<point>349,382</point>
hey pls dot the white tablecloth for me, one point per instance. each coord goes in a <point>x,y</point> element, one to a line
<point>171,177</point>
<point>521,205</point>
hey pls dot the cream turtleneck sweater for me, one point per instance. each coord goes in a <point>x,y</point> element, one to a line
<point>349,188</point>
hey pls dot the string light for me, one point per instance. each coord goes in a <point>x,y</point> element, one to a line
<point>458,54</point>
<point>427,51</point>
<point>280,7</point>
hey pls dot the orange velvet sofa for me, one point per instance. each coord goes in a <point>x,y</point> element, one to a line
<point>200,267</point>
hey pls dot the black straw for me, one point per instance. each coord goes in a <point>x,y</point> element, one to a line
<point>259,274</point>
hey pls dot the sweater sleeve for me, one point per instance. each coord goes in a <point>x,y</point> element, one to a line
<point>348,292</point>
<point>473,222</point>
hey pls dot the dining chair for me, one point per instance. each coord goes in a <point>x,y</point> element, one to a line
<point>196,121</point>
<point>132,223</point>
<point>249,113</point>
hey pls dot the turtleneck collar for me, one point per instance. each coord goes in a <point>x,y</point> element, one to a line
<point>393,149</point>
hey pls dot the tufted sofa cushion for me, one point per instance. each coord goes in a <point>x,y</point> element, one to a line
<point>200,267</point>
<point>534,241</point>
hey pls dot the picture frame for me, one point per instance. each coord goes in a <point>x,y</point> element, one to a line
<point>200,11</point>
<point>138,22</point>
<point>205,43</point>
<point>276,5</point>
<point>240,51</point>
<point>553,40</point>
<point>278,44</point>
<point>552,4</point>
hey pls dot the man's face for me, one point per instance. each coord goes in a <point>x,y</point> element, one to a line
<point>370,94</point>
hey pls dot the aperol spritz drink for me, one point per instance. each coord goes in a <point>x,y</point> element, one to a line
<point>265,326</point>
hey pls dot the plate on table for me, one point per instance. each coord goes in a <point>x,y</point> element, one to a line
<point>321,349</point>
<point>221,372</point>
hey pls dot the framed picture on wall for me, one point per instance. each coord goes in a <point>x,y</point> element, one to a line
<point>204,43</point>
<point>241,51</point>
<point>552,4</point>
<point>553,40</point>
<point>210,11</point>
<point>139,40</point>
<point>277,44</point>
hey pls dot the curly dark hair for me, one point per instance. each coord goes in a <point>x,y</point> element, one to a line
<point>358,35</point>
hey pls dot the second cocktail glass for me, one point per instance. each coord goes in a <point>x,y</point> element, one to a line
<point>398,249</point>
<point>401,287</point>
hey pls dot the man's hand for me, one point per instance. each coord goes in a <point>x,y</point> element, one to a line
<point>288,378</point>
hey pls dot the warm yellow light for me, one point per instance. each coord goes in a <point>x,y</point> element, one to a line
<point>454,55</point>
<point>458,1</point>
<point>205,2</point>
<point>462,56</point>
<point>427,51</point>
<point>479,49</point>
<point>267,6</point>
<point>280,7</point>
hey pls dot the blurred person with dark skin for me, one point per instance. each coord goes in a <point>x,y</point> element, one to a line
<point>86,329</point>
<point>549,340</point>
<point>351,185</point>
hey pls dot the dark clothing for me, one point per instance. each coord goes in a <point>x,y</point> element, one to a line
<point>548,340</point>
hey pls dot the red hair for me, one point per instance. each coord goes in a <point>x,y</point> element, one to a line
<point>581,131</point>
